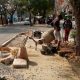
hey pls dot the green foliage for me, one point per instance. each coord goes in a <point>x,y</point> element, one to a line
<point>3,2</point>
<point>21,6</point>
<point>41,6</point>
<point>3,6</point>
<point>76,6</point>
<point>51,4</point>
<point>73,34</point>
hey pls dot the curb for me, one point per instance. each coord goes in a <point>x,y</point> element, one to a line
<point>8,41</point>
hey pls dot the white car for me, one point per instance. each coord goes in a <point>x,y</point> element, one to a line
<point>26,21</point>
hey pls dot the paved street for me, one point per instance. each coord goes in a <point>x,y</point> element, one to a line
<point>8,32</point>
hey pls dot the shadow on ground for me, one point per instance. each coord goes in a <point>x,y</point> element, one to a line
<point>32,63</point>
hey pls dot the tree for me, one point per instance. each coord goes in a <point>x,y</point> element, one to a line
<point>51,4</point>
<point>11,8</point>
<point>21,7</point>
<point>3,10</point>
<point>76,10</point>
<point>42,7</point>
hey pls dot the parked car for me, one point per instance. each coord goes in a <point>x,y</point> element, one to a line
<point>26,21</point>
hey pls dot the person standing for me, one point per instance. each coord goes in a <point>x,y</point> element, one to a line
<point>57,29</point>
<point>62,30</point>
<point>67,28</point>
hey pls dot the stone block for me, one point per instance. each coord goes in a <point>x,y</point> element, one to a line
<point>19,63</point>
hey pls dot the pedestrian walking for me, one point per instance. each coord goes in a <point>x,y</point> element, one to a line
<point>67,28</point>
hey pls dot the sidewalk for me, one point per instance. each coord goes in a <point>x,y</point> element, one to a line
<point>47,67</point>
<point>41,67</point>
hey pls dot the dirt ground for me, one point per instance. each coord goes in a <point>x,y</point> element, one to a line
<point>41,67</point>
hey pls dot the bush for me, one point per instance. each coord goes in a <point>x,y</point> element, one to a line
<point>73,34</point>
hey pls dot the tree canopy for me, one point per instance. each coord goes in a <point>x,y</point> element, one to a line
<point>37,7</point>
<point>41,7</point>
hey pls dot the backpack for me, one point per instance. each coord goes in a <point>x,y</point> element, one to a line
<point>67,24</point>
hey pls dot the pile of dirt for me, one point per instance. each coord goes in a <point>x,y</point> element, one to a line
<point>68,50</point>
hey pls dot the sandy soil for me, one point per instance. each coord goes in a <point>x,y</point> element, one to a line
<point>41,67</point>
